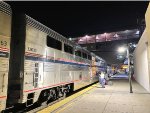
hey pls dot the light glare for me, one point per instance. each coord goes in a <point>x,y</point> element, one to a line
<point>121,49</point>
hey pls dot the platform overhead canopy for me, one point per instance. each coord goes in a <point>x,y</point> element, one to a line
<point>111,36</point>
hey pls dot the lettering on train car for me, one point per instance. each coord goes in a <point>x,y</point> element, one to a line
<point>3,54</point>
<point>3,43</point>
<point>32,49</point>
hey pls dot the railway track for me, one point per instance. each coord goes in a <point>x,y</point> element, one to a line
<point>44,106</point>
<point>35,108</point>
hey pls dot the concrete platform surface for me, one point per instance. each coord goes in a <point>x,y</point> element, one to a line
<point>111,99</point>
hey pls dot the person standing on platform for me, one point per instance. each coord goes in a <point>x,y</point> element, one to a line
<point>102,79</point>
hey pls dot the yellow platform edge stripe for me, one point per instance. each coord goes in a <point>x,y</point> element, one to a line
<point>65,101</point>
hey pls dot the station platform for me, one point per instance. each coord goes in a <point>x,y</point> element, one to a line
<point>114,98</point>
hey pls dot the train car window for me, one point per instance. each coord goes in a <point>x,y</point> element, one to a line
<point>84,55</point>
<point>89,57</point>
<point>78,53</point>
<point>68,49</point>
<point>53,43</point>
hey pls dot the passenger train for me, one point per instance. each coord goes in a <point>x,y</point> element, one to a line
<point>37,64</point>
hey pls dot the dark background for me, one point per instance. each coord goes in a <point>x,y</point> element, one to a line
<point>76,18</point>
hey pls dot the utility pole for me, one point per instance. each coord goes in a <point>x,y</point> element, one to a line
<point>129,68</point>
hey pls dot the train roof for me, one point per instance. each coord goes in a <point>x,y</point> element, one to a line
<point>5,8</point>
<point>32,22</point>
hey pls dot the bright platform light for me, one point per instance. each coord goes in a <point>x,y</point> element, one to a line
<point>121,49</point>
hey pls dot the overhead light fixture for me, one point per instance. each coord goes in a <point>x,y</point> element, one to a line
<point>116,35</point>
<point>97,37</point>
<point>81,39</point>
<point>121,49</point>
<point>137,32</point>
<point>134,45</point>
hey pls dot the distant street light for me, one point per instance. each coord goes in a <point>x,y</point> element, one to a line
<point>121,49</point>
<point>70,38</point>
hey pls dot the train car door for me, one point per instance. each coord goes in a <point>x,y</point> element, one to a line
<point>38,76</point>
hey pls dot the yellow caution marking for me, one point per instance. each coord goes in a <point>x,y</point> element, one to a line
<point>65,101</point>
<point>59,111</point>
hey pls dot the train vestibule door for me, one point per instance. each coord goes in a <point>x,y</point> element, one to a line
<point>41,77</point>
<point>3,75</point>
<point>38,75</point>
<point>2,82</point>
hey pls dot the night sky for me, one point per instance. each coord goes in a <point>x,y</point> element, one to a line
<point>75,19</point>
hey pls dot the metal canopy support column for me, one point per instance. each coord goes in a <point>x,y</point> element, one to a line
<point>129,69</point>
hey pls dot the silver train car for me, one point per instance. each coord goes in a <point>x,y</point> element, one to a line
<point>37,64</point>
<point>5,37</point>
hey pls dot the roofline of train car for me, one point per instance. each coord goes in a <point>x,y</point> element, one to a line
<point>5,8</point>
<point>42,27</point>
